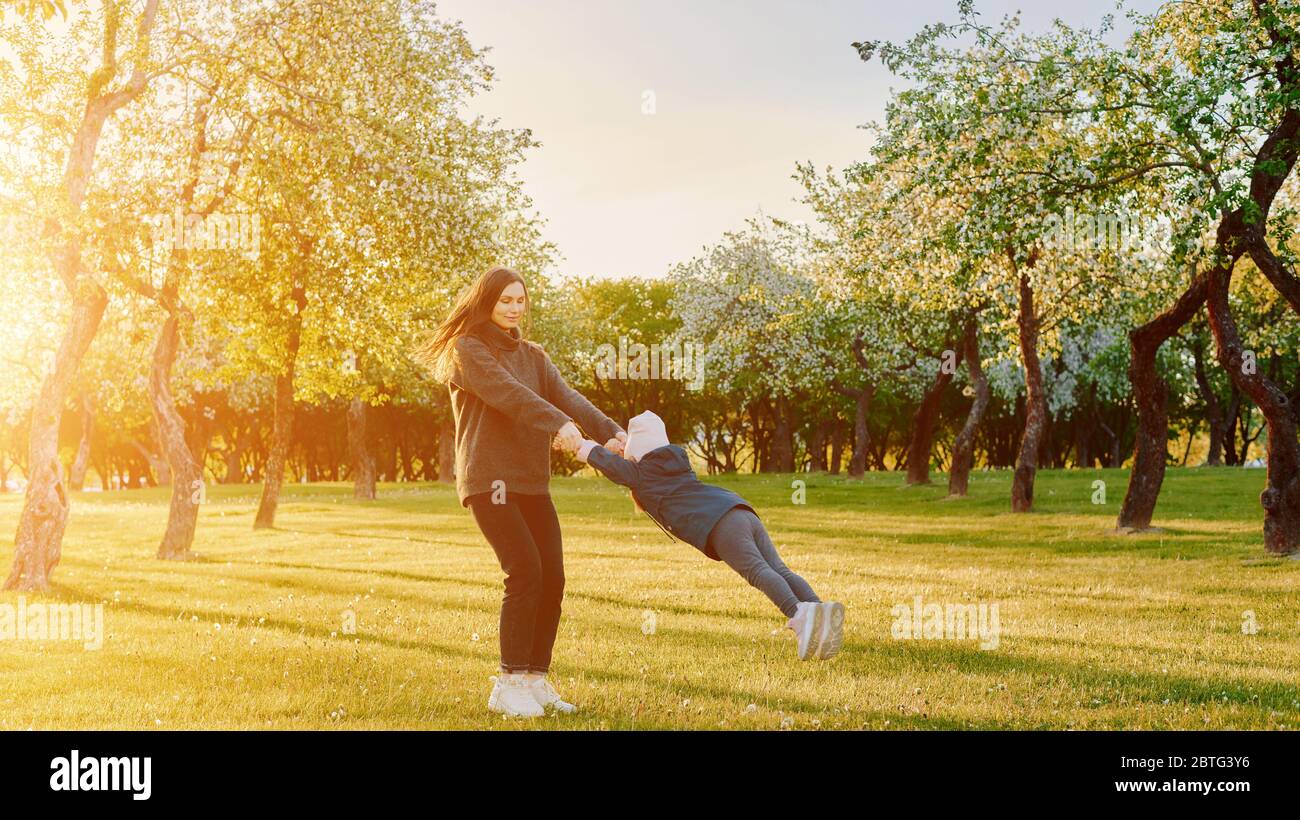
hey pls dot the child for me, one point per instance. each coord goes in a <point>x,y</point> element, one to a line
<point>719,523</point>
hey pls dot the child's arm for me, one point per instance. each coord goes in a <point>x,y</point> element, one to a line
<point>616,469</point>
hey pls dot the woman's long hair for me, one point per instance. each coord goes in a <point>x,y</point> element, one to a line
<point>473,309</point>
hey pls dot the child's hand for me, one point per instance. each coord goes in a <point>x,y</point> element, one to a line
<point>615,445</point>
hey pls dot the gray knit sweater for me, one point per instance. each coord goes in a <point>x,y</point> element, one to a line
<point>508,401</point>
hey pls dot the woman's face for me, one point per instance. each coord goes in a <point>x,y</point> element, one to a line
<point>509,308</point>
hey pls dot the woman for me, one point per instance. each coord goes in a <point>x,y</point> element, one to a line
<point>511,405</point>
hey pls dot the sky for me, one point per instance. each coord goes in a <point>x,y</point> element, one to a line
<point>741,91</point>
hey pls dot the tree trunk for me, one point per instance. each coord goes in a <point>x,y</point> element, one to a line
<point>1191,436</point>
<point>282,425</point>
<point>923,424</point>
<point>1230,426</point>
<point>1243,230</point>
<point>817,449</point>
<point>861,409</point>
<point>234,457</point>
<point>783,438</point>
<point>1022,485</point>
<point>1151,394</point>
<point>1082,456</point>
<point>407,450</point>
<point>186,477</point>
<point>861,434</point>
<point>82,462</point>
<point>447,451</point>
<point>1281,495</point>
<point>963,448</point>
<point>200,435</point>
<point>837,446</point>
<point>1213,412</point>
<point>1246,438</point>
<point>882,448</point>
<point>760,441</point>
<point>38,544</point>
<point>1273,164</point>
<point>363,463</point>
<point>1117,441</point>
<point>387,462</point>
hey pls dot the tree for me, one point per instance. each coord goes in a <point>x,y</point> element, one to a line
<point>1204,104</point>
<point>379,194</point>
<point>756,279</point>
<point>103,93</point>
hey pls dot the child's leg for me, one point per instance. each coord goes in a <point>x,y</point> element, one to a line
<point>767,549</point>
<point>733,540</point>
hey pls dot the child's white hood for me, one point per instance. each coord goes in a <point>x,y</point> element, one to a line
<point>645,432</point>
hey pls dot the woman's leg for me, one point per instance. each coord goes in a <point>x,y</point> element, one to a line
<point>733,540</point>
<point>544,525</point>
<point>767,549</point>
<point>504,527</point>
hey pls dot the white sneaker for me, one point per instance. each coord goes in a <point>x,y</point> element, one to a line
<point>832,636</point>
<point>512,696</point>
<point>808,628</point>
<point>546,695</point>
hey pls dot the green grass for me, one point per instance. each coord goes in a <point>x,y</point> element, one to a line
<point>1098,631</point>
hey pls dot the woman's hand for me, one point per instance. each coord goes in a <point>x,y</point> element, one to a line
<point>569,437</point>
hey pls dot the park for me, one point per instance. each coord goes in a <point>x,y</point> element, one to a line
<point>1001,357</point>
<point>1097,630</point>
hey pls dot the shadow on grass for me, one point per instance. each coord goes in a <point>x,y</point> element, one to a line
<point>495,586</point>
<point>1107,686</point>
<point>1151,688</point>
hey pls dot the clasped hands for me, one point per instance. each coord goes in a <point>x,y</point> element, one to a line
<point>570,438</point>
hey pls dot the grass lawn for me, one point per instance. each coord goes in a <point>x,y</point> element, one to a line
<point>1098,631</point>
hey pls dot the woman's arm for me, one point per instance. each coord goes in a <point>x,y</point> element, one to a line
<point>595,423</point>
<point>475,369</point>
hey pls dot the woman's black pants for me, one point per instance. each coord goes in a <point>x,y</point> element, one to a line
<point>525,534</point>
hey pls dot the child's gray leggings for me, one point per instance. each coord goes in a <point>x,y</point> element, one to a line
<point>741,540</point>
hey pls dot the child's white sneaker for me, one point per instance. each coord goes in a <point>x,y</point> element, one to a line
<point>512,696</point>
<point>546,695</point>
<point>807,626</point>
<point>832,635</point>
